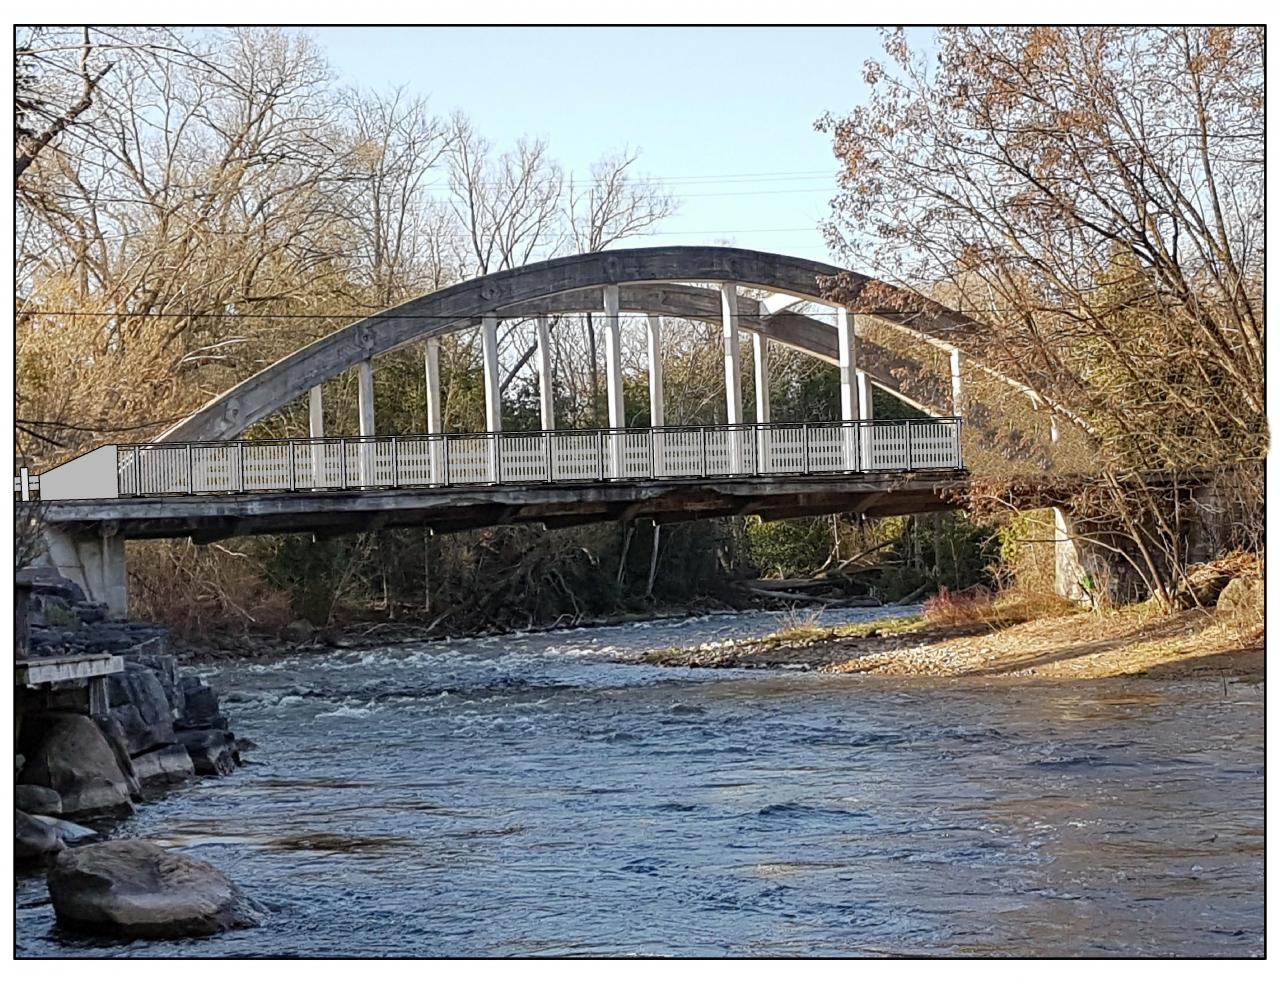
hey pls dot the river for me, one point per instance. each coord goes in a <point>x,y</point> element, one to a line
<point>531,795</point>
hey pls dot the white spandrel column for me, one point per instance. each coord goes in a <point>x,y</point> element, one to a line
<point>957,392</point>
<point>492,390</point>
<point>364,401</point>
<point>760,353</point>
<point>316,429</point>
<point>657,409</point>
<point>866,412</point>
<point>435,415</point>
<point>732,371</point>
<point>847,349</point>
<point>613,370</point>
<point>546,394</point>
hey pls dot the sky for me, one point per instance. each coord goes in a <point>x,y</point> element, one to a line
<point>724,116</point>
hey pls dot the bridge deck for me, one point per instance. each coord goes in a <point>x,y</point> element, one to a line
<point>211,517</point>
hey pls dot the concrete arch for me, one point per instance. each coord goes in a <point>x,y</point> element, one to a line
<point>461,305</point>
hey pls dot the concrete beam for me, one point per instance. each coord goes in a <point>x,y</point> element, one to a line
<point>211,517</point>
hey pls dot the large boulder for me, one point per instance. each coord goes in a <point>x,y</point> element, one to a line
<point>33,840</point>
<point>213,751</point>
<point>37,799</point>
<point>164,766</point>
<point>113,731</point>
<point>139,702</point>
<point>69,754</point>
<point>1243,596</point>
<point>135,888</point>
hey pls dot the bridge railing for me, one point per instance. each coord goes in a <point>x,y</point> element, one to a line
<point>524,458</point>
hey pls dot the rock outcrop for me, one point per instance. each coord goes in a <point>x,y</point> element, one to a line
<point>134,888</point>
<point>139,702</point>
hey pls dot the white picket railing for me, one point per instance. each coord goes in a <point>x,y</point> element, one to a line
<point>443,460</point>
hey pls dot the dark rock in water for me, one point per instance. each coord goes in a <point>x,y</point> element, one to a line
<point>70,754</point>
<point>245,744</point>
<point>136,889</point>
<point>212,751</point>
<point>113,731</point>
<point>141,706</point>
<point>37,799</point>
<point>68,831</point>
<point>200,705</point>
<point>33,840</point>
<point>164,766</point>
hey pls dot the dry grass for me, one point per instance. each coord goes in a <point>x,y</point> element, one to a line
<point>196,591</point>
<point>981,606</point>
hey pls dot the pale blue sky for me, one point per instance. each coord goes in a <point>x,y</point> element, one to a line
<point>726,114</point>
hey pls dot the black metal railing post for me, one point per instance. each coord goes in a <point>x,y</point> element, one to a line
<point>804,447</point>
<point>293,469</point>
<point>395,462</point>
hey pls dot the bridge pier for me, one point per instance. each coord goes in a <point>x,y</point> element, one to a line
<point>96,563</point>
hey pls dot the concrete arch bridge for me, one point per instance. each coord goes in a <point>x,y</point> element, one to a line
<point>199,479</point>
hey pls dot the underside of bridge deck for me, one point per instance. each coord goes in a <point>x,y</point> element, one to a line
<point>209,518</point>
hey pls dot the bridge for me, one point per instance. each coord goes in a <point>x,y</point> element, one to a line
<point>200,479</point>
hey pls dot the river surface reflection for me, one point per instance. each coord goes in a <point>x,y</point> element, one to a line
<point>529,795</point>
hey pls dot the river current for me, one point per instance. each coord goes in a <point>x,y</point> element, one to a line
<point>531,795</point>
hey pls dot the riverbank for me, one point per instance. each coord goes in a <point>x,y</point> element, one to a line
<point>1131,641</point>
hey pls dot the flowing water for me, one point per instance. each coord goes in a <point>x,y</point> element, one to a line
<point>530,795</point>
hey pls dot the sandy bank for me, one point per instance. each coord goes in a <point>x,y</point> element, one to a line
<point>1128,642</point>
